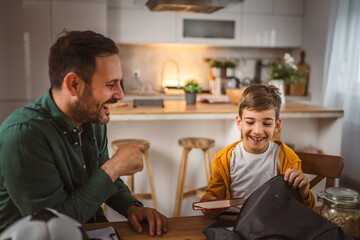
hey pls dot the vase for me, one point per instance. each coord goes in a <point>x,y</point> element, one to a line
<point>190,98</point>
<point>279,83</point>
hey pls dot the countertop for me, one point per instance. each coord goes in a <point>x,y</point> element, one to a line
<point>177,110</point>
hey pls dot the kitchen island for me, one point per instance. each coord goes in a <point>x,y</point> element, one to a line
<point>302,125</point>
<point>174,110</point>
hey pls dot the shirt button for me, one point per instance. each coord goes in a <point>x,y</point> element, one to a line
<point>76,143</point>
<point>74,130</point>
<point>84,166</point>
<point>65,132</point>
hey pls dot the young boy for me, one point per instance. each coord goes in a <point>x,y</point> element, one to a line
<point>242,167</point>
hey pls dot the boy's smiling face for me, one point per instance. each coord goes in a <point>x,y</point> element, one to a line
<point>257,127</point>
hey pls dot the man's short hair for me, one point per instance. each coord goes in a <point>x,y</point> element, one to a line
<point>260,97</point>
<point>75,51</point>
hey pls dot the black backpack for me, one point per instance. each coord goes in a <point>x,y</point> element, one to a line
<point>275,211</point>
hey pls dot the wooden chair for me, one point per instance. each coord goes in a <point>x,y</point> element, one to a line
<point>182,191</point>
<point>130,179</point>
<point>323,166</point>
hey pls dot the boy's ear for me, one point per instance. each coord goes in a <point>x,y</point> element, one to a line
<point>277,126</point>
<point>238,122</point>
<point>73,83</point>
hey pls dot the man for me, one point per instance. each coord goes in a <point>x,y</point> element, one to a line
<point>53,152</point>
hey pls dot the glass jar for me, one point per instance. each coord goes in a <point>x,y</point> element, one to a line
<point>342,207</point>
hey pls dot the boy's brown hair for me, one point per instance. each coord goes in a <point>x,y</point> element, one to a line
<point>260,97</point>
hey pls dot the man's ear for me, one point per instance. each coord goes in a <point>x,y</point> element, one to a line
<point>73,83</point>
<point>277,126</point>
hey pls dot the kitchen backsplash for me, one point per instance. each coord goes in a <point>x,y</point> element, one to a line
<point>155,61</point>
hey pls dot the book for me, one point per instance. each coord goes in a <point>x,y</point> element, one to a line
<point>108,233</point>
<point>218,204</point>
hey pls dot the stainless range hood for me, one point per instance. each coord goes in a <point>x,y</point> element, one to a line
<point>189,6</point>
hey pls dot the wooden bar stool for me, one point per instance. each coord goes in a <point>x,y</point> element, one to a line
<point>130,179</point>
<point>183,192</point>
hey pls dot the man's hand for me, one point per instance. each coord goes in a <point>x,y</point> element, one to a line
<point>157,222</point>
<point>211,213</point>
<point>126,161</point>
<point>298,180</point>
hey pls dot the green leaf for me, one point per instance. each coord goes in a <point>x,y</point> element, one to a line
<point>192,86</point>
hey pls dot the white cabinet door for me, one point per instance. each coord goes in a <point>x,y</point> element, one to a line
<point>219,28</point>
<point>141,26</point>
<point>278,7</point>
<point>37,42</point>
<point>258,6</point>
<point>289,7</point>
<point>24,46</point>
<point>79,15</point>
<point>271,31</point>
<point>12,68</point>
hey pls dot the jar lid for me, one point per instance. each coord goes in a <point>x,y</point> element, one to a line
<point>342,196</point>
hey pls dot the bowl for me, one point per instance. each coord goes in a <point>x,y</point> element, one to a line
<point>234,94</point>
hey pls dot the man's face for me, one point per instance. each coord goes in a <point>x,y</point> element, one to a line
<point>257,129</point>
<point>93,104</point>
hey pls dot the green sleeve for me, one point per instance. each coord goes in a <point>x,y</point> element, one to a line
<point>35,175</point>
<point>122,199</point>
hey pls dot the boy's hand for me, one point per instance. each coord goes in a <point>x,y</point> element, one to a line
<point>298,180</point>
<point>211,213</point>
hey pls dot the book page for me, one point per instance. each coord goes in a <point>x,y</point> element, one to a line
<point>217,204</point>
<point>108,233</point>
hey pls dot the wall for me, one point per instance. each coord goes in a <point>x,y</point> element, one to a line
<point>151,59</point>
<point>27,30</point>
<point>316,20</point>
<point>316,23</point>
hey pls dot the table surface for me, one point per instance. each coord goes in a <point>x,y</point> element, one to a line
<point>178,228</point>
<point>178,110</point>
<point>180,107</point>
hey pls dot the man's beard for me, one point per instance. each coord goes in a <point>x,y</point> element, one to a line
<point>88,110</point>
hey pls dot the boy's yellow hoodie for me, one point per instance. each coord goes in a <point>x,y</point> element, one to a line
<point>219,182</point>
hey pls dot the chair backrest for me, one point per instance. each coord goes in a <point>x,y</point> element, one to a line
<point>323,166</point>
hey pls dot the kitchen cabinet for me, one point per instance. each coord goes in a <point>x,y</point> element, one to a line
<point>284,7</point>
<point>37,42</point>
<point>140,26</point>
<point>25,42</point>
<point>27,29</point>
<point>256,23</point>
<point>275,23</point>
<point>219,28</point>
<point>258,6</point>
<point>12,49</point>
<point>271,31</point>
<point>79,15</point>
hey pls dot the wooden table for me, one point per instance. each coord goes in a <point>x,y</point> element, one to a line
<point>178,228</point>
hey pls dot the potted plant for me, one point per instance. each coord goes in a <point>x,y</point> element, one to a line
<point>215,76</point>
<point>216,66</point>
<point>191,88</point>
<point>286,71</point>
<point>229,67</point>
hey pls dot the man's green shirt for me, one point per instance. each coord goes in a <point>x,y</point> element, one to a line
<point>46,162</point>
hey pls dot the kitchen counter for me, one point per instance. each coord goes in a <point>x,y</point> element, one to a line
<point>175,110</point>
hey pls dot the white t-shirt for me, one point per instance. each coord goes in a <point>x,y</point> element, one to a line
<point>249,171</point>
